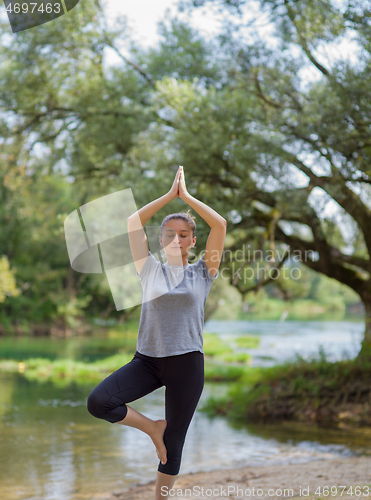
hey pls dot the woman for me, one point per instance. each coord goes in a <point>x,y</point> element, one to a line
<point>169,347</point>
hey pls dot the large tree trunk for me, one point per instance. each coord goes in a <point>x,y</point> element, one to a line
<point>365,352</point>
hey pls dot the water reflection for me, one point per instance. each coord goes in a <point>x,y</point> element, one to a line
<point>52,448</point>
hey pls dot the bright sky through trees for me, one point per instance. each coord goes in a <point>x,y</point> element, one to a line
<point>144,15</point>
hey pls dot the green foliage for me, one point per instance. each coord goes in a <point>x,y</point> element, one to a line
<point>314,22</point>
<point>236,357</point>
<point>217,371</point>
<point>7,281</point>
<point>248,341</point>
<point>182,53</point>
<point>214,345</point>
<point>299,378</point>
<point>63,372</point>
<point>69,309</point>
<point>261,146</point>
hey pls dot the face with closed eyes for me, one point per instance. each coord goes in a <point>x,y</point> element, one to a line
<point>177,239</point>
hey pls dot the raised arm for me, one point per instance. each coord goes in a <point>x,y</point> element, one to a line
<point>216,239</point>
<point>137,236</point>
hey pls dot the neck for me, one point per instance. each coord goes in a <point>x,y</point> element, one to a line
<point>177,260</point>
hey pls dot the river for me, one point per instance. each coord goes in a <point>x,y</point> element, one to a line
<point>53,449</point>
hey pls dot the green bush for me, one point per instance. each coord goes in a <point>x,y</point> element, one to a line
<point>213,345</point>
<point>248,341</point>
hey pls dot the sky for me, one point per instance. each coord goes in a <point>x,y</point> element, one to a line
<point>144,15</point>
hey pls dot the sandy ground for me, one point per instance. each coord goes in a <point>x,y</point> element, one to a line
<point>341,477</point>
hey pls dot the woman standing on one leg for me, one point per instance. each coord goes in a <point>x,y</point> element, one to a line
<point>170,338</point>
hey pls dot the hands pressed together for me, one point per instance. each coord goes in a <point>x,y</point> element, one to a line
<point>178,189</point>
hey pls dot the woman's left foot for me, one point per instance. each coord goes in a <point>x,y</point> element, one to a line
<point>158,439</point>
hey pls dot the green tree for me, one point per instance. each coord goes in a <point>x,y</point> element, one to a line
<point>71,130</point>
<point>258,145</point>
<point>7,280</point>
<point>266,145</point>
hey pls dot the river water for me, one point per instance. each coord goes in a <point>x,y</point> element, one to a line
<point>53,449</point>
<point>282,340</point>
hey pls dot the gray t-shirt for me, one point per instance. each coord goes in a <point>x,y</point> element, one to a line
<point>174,299</point>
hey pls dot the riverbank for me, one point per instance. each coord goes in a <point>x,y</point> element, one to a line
<point>337,478</point>
<point>336,393</point>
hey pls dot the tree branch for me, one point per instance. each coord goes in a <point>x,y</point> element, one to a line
<point>135,66</point>
<point>304,43</point>
<point>339,191</point>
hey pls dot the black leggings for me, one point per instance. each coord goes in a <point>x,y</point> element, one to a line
<point>183,377</point>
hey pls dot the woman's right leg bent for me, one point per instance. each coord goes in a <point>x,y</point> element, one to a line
<point>129,383</point>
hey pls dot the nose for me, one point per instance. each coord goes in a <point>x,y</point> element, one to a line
<point>176,241</point>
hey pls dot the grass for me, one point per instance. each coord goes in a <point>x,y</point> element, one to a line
<point>216,371</point>
<point>248,341</point>
<point>215,346</point>
<point>222,363</point>
<point>63,372</point>
<point>314,389</point>
<point>216,349</point>
<point>238,357</point>
<point>66,371</point>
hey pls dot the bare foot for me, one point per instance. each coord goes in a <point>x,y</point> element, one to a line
<point>157,437</point>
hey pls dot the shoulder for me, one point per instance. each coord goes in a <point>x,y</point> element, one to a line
<point>149,266</point>
<point>201,266</point>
